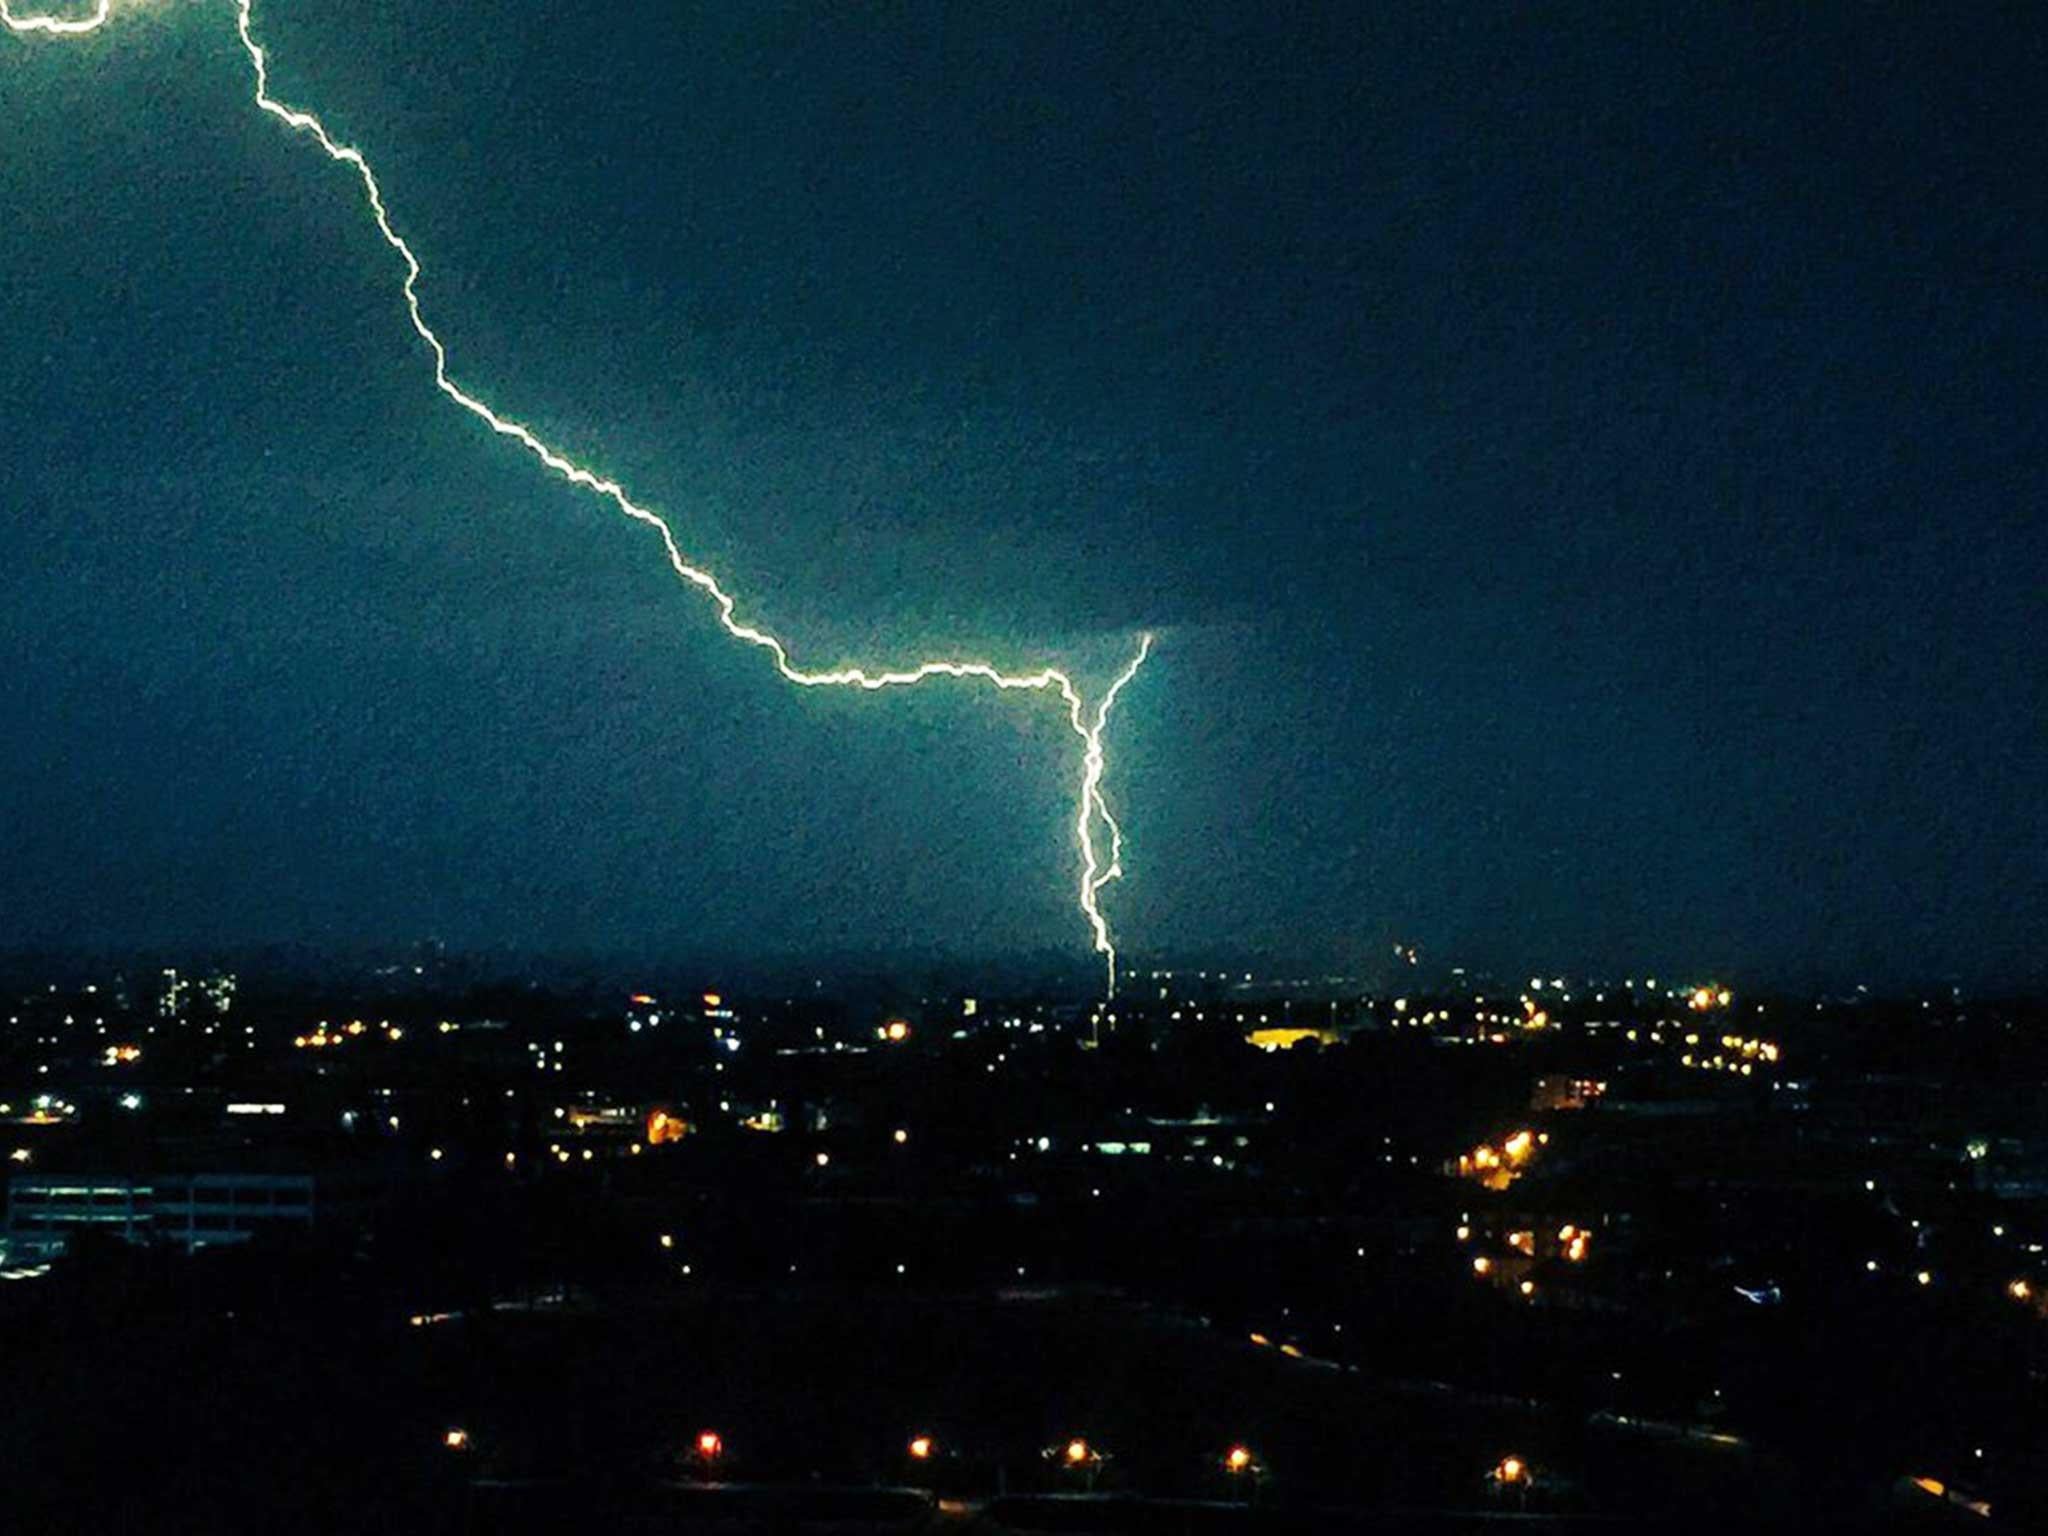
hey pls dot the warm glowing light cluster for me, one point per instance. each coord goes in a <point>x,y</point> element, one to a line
<point>1525,1249</point>
<point>1092,818</point>
<point>663,1127</point>
<point>1287,1037</point>
<point>1738,1054</point>
<point>326,1037</point>
<point>1498,1167</point>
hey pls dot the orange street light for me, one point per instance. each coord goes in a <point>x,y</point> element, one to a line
<point>709,1446</point>
<point>1078,1456</point>
<point>921,1448</point>
<point>456,1439</point>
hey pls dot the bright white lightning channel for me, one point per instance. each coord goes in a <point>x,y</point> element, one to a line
<point>1092,810</point>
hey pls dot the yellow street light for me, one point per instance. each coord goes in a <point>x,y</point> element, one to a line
<point>456,1439</point>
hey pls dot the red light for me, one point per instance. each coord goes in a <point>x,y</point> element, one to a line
<point>709,1446</point>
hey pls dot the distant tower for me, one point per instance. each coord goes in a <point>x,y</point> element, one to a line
<point>173,995</point>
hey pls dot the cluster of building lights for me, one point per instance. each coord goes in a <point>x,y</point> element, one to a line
<point>327,1037</point>
<point>1737,1054</point>
<point>1498,1167</point>
<point>46,1109</point>
<point>1573,1245</point>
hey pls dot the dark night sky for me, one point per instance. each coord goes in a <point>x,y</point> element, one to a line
<point>1584,463</point>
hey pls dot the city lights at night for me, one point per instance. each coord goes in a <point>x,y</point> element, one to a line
<point>1466,954</point>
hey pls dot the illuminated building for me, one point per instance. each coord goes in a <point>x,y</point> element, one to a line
<point>172,995</point>
<point>1561,1090</point>
<point>192,1210</point>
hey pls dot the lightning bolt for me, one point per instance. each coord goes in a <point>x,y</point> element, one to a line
<point>1092,810</point>
<point>56,26</point>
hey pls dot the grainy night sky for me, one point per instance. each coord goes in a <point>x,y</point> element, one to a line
<point>1584,463</point>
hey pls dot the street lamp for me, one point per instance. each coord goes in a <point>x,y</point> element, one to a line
<point>708,1449</point>
<point>1244,1466</point>
<point>922,1447</point>
<point>1079,1457</point>
<point>1512,1474</point>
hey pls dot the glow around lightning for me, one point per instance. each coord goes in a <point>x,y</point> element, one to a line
<point>1092,811</point>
